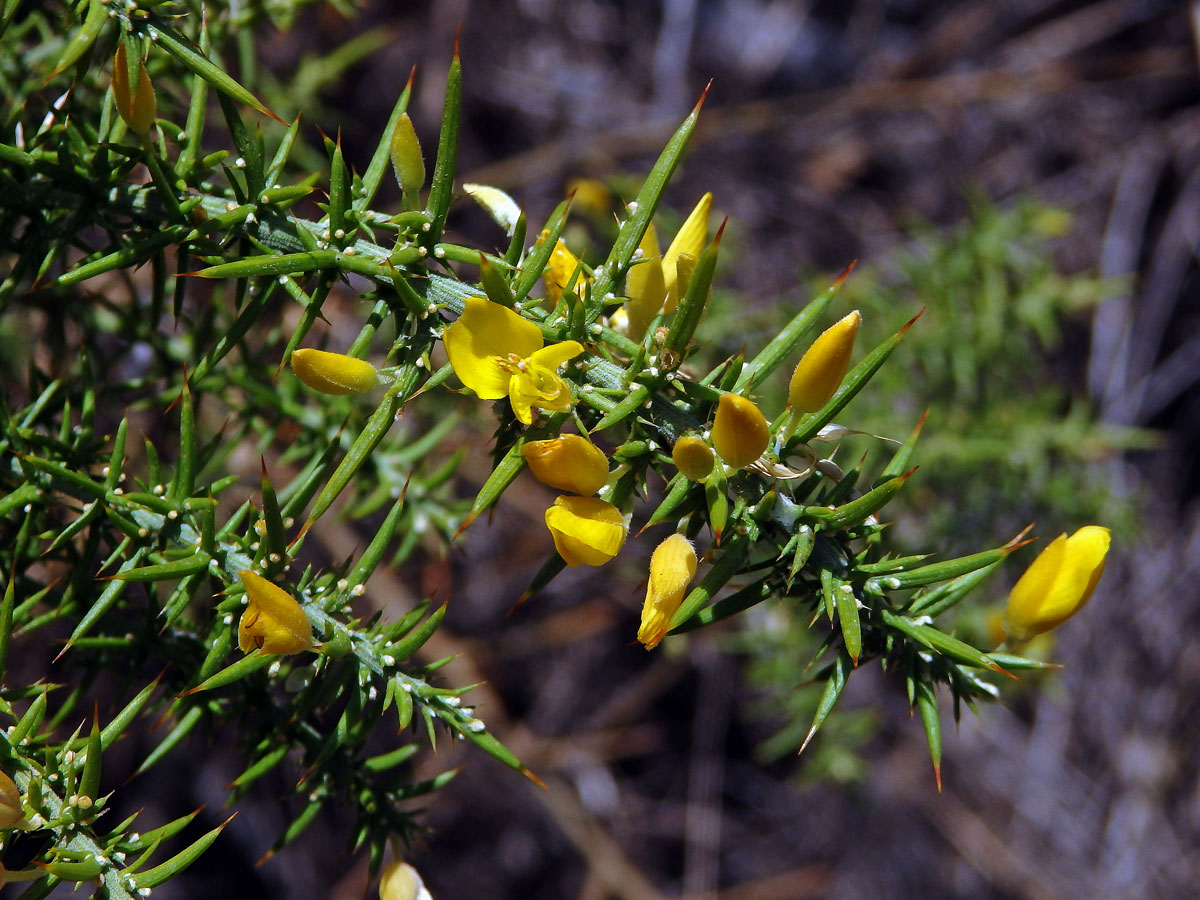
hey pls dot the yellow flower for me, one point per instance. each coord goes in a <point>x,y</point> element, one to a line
<point>823,366</point>
<point>138,107</point>
<point>561,267</point>
<point>496,353</point>
<point>646,287</point>
<point>273,620</point>
<point>672,568</point>
<point>690,240</point>
<point>587,531</point>
<point>11,812</point>
<point>400,881</point>
<point>590,196</point>
<point>1057,584</point>
<point>739,431</point>
<point>567,462</point>
<point>692,457</point>
<point>333,373</point>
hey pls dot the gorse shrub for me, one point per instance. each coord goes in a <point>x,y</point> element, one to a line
<point>172,267</point>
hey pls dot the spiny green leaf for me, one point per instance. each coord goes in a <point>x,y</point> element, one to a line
<point>166,871</point>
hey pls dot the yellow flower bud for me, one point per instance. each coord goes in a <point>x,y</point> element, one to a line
<point>672,568</point>
<point>400,881</point>
<point>568,462</point>
<point>138,107</point>
<point>692,457</point>
<point>407,161</point>
<point>273,620</point>
<point>739,431</point>
<point>690,240</point>
<point>587,531</point>
<point>590,196</point>
<point>334,373</point>
<point>646,287</point>
<point>561,267</point>
<point>1057,584</point>
<point>823,366</point>
<point>11,812</point>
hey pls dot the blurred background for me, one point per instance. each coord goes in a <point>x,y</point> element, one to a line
<point>1029,172</point>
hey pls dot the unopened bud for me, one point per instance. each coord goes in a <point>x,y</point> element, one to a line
<point>690,240</point>
<point>407,160</point>
<point>739,433</point>
<point>823,366</point>
<point>672,567</point>
<point>10,802</point>
<point>137,107</point>
<point>1057,584</point>
<point>334,373</point>
<point>692,457</point>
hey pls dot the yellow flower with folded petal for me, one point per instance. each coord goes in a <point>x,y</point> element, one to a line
<point>137,106</point>
<point>273,620</point>
<point>333,373</point>
<point>739,433</point>
<point>823,366</point>
<point>692,457</point>
<point>496,353</point>
<point>568,462</point>
<point>672,568</point>
<point>11,812</point>
<point>587,531</point>
<point>1057,584</point>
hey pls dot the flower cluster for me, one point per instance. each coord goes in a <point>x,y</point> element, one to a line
<point>606,356</point>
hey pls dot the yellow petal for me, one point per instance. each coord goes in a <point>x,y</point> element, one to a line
<point>561,267</point>
<point>568,462</point>
<point>692,236</point>
<point>333,373</point>
<point>646,287</point>
<point>538,384</point>
<point>540,387</point>
<point>137,107</point>
<point>739,431</point>
<point>1058,583</point>
<point>692,457</point>
<point>120,84</point>
<point>555,355</point>
<point>145,105</point>
<point>400,881</point>
<point>11,812</point>
<point>672,568</point>
<point>590,196</point>
<point>503,209</point>
<point>273,620</point>
<point>586,531</point>
<point>484,334</point>
<point>823,366</point>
